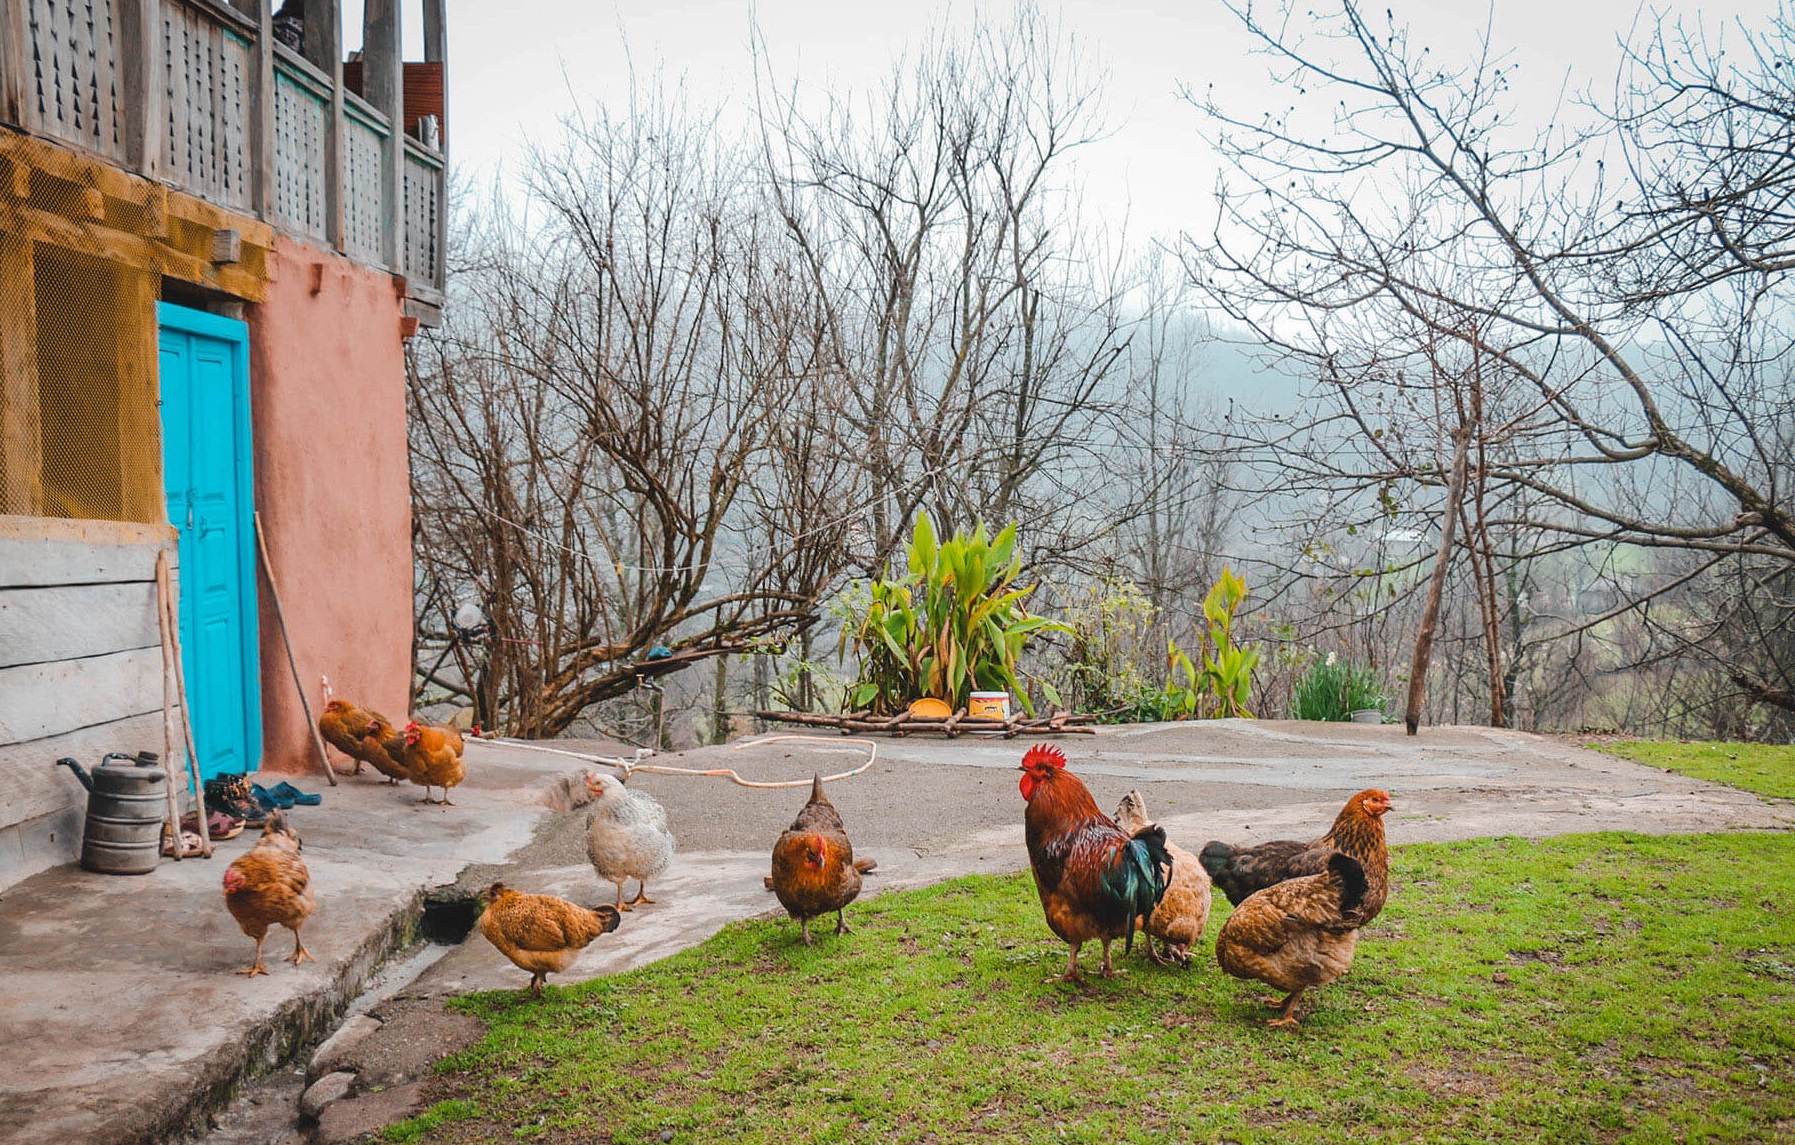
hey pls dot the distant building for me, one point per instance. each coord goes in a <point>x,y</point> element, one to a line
<point>212,248</point>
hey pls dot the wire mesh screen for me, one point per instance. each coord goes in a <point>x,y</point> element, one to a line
<point>80,433</point>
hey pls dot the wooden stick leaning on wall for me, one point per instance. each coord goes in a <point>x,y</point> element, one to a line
<point>175,848</point>
<point>171,624</point>
<point>280,618</point>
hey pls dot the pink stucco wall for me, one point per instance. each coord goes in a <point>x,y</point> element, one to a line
<point>327,377</point>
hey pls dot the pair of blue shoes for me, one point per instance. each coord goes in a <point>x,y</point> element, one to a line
<point>283,797</point>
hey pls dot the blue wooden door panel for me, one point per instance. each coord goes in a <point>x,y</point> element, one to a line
<point>206,469</point>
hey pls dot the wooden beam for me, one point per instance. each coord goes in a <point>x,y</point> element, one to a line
<point>244,280</point>
<point>383,86</point>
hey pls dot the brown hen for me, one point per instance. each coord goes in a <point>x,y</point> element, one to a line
<point>541,933</point>
<point>270,886</point>
<point>432,758</point>
<point>1298,934</point>
<point>814,870</point>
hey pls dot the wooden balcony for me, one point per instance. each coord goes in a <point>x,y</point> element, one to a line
<point>200,95</point>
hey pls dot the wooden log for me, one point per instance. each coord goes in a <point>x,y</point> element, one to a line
<point>171,622</point>
<point>168,718</point>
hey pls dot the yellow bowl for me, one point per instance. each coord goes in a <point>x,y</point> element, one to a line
<point>929,708</point>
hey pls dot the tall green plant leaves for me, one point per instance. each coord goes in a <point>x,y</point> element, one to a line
<point>955,623</point>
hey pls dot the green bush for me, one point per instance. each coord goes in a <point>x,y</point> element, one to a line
<point>954,624</point>
<point>1334,689</point>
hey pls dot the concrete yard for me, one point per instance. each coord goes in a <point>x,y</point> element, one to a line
<point>120,1014</point>
<point>123,1022</point>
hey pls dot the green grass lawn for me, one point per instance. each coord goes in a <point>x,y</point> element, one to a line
<point>1584,989</point>
<point>1766,769</point>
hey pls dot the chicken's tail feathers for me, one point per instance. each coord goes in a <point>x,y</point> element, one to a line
<point>1141,877</point>
<point>816,789</point>
<point>1353,883</point>
<point>866,866</point>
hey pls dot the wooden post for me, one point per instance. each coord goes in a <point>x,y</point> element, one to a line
<point>383,85</point>
<point>1424,639</point>
<point>324,48</point>
<point>261,116</point>
<point>16,79</point>
<point>280,617</point>
<point>436,50</point>
<point>140,38</point>
<point>21,440</point>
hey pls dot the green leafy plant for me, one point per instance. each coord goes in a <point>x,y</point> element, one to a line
<point>1103,671</point>
<point>1227,667</point>
<point>1334,688</point>
<point>953,625</point>
<point>1224,682</point>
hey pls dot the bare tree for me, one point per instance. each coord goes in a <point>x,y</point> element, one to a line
<point>617,440</point>
<point>1633,311</point>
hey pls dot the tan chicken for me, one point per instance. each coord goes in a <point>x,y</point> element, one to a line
<point>432,758</point>
<point>1297,934</point>
<point>1180,917</point>
<point>341,724</point>
<point>384,746</point>
<point>541,933</point>
<point>814,869</point>
<point>270,886</point>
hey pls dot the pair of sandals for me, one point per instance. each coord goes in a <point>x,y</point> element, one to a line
<point>283,797</point>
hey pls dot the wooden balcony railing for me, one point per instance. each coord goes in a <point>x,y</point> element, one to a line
<point>199,95</point>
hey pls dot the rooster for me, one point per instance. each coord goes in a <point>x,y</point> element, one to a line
<point>814,869</point>
<point>541,933</point>
<point>432,758</point>
<point>1096,881</point>
<point>1297,934</point>
<point>1357,831</point>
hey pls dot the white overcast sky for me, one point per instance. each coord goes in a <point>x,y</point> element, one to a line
<point>517,66</point>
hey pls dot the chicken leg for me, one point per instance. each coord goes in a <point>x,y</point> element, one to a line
<point>1071,974</point>
<point>621,905</point>
<point>641,893</point>
<point>300,953</point>
<point>1109,970</point>
<point>804,930</point>
<point>841,924</point>
<point>1286,1009</point>
<point>259,967</point>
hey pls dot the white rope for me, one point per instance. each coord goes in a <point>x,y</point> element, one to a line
<point>635,764</point>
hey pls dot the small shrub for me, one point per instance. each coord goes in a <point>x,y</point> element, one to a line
<point>1334,689</point>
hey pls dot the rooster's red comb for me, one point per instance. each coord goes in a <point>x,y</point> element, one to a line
<point>1044,753</point>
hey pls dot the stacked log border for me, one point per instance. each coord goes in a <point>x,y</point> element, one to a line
<point>958,724</point>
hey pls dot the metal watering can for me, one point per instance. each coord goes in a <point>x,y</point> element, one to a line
<point>127,801</point>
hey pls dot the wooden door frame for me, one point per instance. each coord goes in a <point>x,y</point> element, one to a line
<point>235,333</point>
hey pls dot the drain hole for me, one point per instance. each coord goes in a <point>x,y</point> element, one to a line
<point>449,915</point>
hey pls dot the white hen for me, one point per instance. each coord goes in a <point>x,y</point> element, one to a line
<point>626,836</point>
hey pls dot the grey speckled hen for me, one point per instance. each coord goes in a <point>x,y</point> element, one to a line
<point>626,836</point>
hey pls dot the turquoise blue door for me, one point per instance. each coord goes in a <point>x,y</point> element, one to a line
<point>206,469</point>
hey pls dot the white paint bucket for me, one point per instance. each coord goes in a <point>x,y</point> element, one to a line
<point>988,706</point>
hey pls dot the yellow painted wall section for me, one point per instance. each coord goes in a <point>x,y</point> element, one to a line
<point>327,369</point>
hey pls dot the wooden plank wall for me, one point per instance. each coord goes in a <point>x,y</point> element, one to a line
<point>80,672</point>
